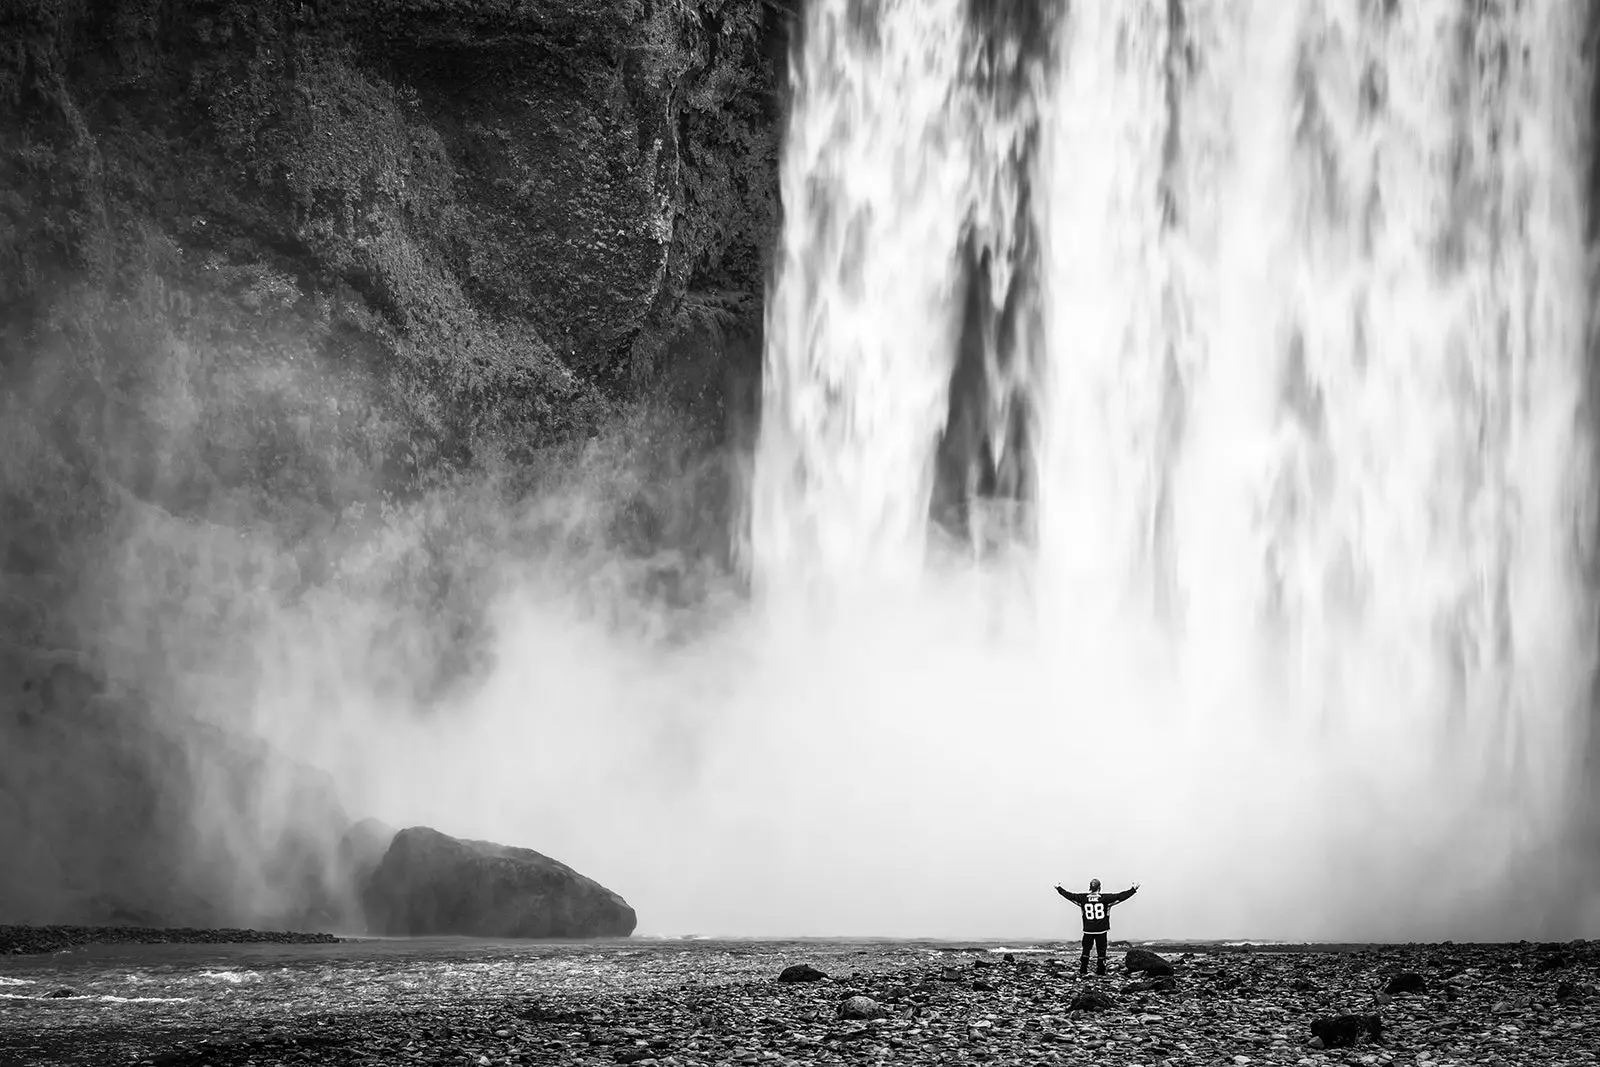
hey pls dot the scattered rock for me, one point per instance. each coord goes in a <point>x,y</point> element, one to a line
<point>38,940</point>
<point>1168,984</point>
<point>801,972</point>
<point>1143,960</point>
<point>684,1008</point>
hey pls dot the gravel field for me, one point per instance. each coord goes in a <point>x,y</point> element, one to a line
<point>453,1001</point>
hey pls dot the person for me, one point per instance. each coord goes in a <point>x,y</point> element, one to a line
<point>1096,908</point>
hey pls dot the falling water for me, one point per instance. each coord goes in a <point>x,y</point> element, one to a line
<point>1267,320</point>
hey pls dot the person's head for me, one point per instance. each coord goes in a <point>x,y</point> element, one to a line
<point>1094,885</point>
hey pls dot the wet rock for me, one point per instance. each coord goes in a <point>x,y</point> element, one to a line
<point>62,993</point>
<point>1342,1031</point>
<point>1406,982</point>
<point>430,883</point>
<point>801,972</point>
<point>1139,960</point>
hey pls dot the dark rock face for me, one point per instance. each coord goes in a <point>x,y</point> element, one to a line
<point>429,883</point>
<point>265,266</point>
<point>117,814</point>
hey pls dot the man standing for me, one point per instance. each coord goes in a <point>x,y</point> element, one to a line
<point>1096,908</point>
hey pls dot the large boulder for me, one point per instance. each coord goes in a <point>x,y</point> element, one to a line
<point>431,883</point>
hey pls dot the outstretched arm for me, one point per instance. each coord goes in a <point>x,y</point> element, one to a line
<point>1117,898</point>
<point>1076,898</point>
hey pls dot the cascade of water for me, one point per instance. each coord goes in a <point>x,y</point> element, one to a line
<point>1302,351</point>
<point>894,169</point>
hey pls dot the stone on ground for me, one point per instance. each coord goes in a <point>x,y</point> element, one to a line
<point>429,883</point>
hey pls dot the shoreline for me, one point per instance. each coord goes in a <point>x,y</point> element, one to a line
<point>1441,1004</point>
<point>25,939</point>
<point>30,940</point>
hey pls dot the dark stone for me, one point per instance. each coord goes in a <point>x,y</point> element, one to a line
<point>430,883</point>
<point>1553,961</point>
<point>859,1007</point>
<point>1092,999</point>
<point>1139,959</point>
<point>801,972</point>
<point>1342,1031</point>
<point>62,994</point>
<point>1406,982</point>
<point>1573,991</point>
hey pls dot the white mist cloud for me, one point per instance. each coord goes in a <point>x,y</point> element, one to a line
<point>915,760</point>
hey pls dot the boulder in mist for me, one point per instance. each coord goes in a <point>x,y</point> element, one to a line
<point>430,883</point>
<point>362,848</point>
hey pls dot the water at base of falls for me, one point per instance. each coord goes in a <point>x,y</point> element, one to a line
<point>1197,387</point>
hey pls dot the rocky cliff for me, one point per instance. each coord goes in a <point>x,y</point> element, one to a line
<point>272,272</point>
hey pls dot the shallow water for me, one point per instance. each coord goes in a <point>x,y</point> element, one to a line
<point>134,998</point>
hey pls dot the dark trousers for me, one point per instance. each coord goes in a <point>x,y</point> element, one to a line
<point>1098,943</point>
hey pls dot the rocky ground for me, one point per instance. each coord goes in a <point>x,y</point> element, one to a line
<point>29,940</point>
<point>1443,1004</point>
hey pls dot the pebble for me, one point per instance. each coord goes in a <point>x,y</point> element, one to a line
<point>1223,1002</point>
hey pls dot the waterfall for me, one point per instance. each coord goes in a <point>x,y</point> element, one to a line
<point>1269,321</point>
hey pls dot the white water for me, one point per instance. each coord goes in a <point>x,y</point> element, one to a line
<point>1311,470</point>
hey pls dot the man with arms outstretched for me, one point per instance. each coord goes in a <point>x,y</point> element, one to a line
<point>1096,908</point>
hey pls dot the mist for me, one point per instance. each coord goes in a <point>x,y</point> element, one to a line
<point>909,759</point>
<point>1290,619</point>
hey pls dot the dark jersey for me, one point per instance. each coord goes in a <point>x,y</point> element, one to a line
<point>1096,908</point>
